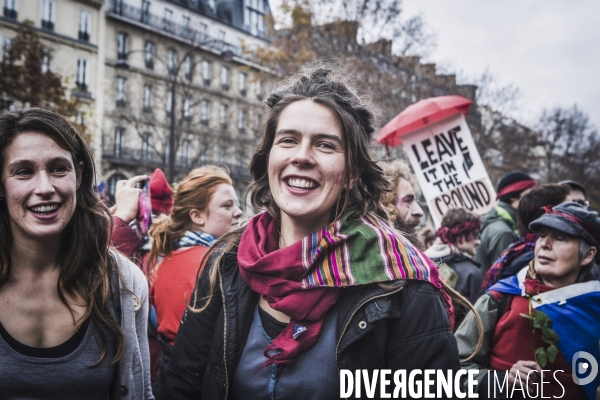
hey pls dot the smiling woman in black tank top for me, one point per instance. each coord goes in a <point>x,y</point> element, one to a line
<point>61,334</point>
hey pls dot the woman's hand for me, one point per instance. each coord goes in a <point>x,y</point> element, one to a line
<point>524,368</point>
<point>127,198</point>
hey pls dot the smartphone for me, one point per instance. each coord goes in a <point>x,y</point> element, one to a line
<point>144,216</point>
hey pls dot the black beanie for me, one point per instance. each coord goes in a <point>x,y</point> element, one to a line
<point>510,179</point>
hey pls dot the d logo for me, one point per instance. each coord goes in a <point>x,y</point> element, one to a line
<point>590,365</point>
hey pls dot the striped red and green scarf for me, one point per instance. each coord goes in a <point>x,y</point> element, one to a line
<point>524,244</point>
<point>303,279</point>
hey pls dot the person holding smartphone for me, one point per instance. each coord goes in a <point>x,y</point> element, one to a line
<point>127,213</point>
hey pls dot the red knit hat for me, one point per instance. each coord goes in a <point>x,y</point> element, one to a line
<point>161,193</point>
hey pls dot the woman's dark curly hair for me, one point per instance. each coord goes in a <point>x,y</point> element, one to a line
<point>330,89</point>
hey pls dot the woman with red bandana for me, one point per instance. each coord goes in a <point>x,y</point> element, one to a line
<point>319,281</point>
<point>544,317</point>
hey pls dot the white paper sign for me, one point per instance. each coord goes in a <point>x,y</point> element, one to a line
<point>449,168</point>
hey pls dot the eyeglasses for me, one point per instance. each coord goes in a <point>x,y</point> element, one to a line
<point>584,203</point>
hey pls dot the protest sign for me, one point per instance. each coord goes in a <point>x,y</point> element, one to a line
<point>448,167</point>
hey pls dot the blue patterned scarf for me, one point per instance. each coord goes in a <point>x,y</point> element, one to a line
<point>196,238</point>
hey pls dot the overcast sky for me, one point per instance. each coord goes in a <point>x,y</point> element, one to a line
<point>549,49</point>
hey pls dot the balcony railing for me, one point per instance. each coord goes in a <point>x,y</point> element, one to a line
<point>48,25</point>
<point>152,158</point>
<point>84,36</point>
<point>82,86</point>
<point>159,23</point>
<point>10,13</point>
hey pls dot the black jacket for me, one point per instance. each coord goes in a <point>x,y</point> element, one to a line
<point>403,328</point>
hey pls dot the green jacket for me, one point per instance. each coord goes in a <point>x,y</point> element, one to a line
<point>498,231</point>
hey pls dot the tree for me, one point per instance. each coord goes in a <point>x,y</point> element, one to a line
<point>571,147</point>
<point>26,79</point>
<point>370,38</point>
<point>504,144</point>
<point>199,138</point>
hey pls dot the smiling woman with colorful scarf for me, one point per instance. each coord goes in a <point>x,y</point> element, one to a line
<point>319,281</point>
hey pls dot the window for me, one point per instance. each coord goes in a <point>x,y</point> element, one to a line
<point>147,98</point>
<point>254,19</point>
<point>171,57</point>
<point>82,81</point>
<point>119,133</point>
<point>80,118</point>
<point>112,183</point>
<point>224,78</point>
<point>221,39</point>
<point>258,89</point>
<point>118,7</point>
<point>6,45</point>
<point>204,112</point>
<point>185,150</point>
<point>149,55</point>
<point>10,9</point>
<point>145,12</point>
<point>168,19</point>
<point>241,120</point>
<point>203,31</point>
<point>46,61</point>
<point>186,108</point>
<point>189,67</point>
<point>121,92</point>
<point>257,120</point>
<point>122,46</point>
<point>242,83</point>
<point>84,25</point>
<point>48,12</point>
<point>186,25</point>
<point>146,145</point>
<point>211,4</point>
<point>223,115</point>
<point>169,102</point>
<point>206,72</point>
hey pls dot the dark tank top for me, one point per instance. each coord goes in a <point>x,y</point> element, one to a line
<point>314,375</point>
<point>62,372</point>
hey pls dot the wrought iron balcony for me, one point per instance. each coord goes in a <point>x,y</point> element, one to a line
<point>47,25</point>
<point>152,159</point>
<point>84,36</point>
<point>117,7</point>
<point>10,13</point>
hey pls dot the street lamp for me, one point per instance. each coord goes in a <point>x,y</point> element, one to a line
<point>173,72</point>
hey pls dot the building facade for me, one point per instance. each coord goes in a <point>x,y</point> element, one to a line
<point>176,74</point>
<point>75,49</point>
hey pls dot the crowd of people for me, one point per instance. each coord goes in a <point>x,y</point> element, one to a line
<point>172,294</point>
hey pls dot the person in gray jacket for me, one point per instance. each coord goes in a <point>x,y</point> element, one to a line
<point>73,316</point>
